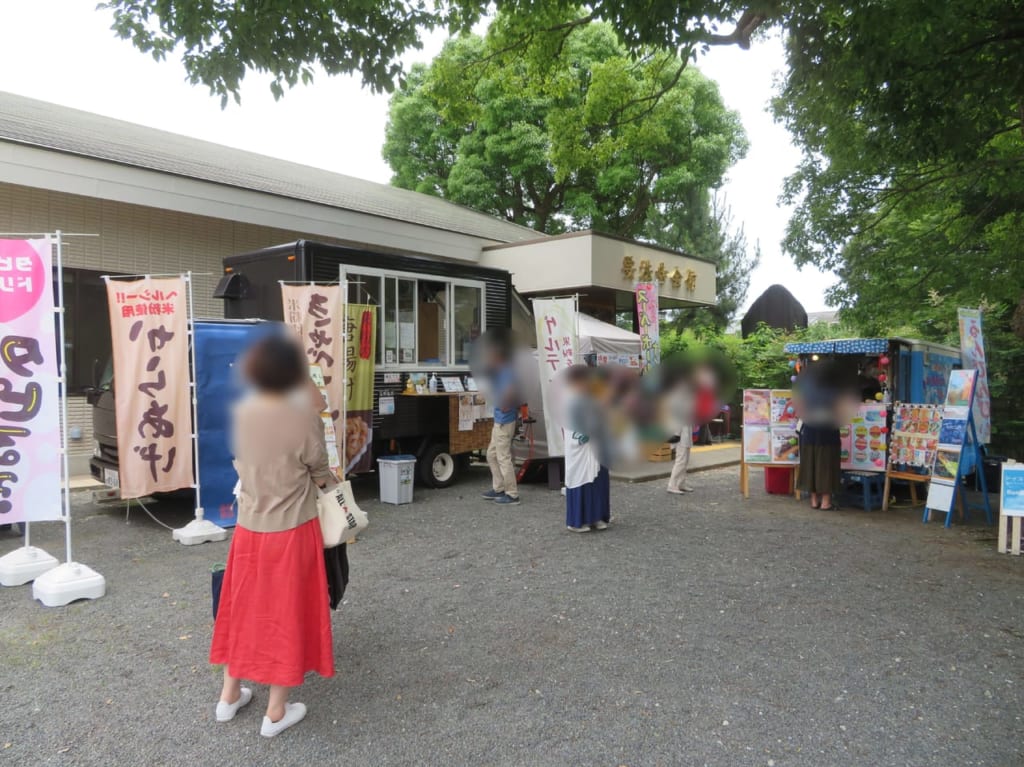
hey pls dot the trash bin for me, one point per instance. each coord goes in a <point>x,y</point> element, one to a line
<point>776,479</point>
<point>397,473</point>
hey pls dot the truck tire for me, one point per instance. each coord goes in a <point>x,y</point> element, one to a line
<point>438,467</point>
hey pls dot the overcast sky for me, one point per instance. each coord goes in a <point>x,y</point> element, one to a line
<point>65,53</point>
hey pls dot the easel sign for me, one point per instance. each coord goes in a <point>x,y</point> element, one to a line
<point>1011,506</point>
<point>957,435</point>
<point>769,434</point>
<point>913,441</point>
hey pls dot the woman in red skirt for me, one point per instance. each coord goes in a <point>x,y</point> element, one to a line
<point>273,622</point>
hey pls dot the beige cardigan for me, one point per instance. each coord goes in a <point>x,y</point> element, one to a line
<point>279,453</point>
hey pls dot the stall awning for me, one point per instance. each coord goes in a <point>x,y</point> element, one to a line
<point>841,346</point>
<point>597,264</point>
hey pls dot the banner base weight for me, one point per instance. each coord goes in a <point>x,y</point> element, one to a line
<point>199,531</point>
<point>23,565</point>
<point>68,582</point>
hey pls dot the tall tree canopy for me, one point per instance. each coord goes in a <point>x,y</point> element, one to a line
<point>222,40</point>
<point>598,140</point>
<point>911,188</point>
<point>592,139</point>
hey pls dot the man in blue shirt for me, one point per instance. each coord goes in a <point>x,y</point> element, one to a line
<point>505,391</point>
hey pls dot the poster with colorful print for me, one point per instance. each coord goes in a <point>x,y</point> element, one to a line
<point>757,408</point>
<point>972,354</point>
<point>30,470</point>
<point>914,436</point>
<point>863,440</point>
<point>757,444</point>
<point>785,445</point>
<point>647,315</point>
<point>783,408</point>
<point>557,346</point>
<point>149,333</point>
<point>360,353</point>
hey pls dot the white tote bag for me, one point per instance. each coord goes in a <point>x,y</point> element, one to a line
<point>341,519</point>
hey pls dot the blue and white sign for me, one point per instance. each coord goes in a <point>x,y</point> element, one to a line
<point>1011,497</point>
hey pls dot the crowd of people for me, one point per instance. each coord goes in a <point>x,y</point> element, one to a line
<point>272,622</point>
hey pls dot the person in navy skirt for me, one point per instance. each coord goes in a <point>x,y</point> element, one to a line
<point>587,484</point>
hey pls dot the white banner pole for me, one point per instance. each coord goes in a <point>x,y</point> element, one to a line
<point>70,581</point>
<point>199,530</point>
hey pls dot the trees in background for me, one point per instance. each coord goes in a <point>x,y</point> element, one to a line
<point>592,139</point>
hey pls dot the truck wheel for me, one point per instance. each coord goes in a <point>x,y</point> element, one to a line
<point>438,467</point>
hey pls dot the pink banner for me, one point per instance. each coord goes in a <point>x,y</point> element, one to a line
<point>30,463</point>
<point>149,331</point>
<point>650,336</point>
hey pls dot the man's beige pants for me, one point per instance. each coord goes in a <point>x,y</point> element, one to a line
<point>499,458</point>
<point>677,481</point>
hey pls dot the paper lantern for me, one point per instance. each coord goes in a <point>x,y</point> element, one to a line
<point>882,377</point>
<point>792,363</point>
<point>879,397</point>
<point>883,361</point>
<point>793,379</point>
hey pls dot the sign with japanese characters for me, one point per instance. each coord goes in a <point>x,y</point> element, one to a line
<point>647,314</point>
<point>972,354</point>
<point>952,440</point>
<point>557,345</point>
<point>30,479</point>
<point>769,427</point>
<point>360,353</point>
<point>149,333</point>
<point>314,313</point>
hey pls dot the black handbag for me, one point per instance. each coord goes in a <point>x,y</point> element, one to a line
<point>216,582</point>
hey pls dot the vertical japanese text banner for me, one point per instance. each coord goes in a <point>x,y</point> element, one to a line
<point>314,313</point>
<point>647,314</point>
<point>360,353</point>
<point>972,353</point>
<point>557,344</point>
<point>30,474</point>
<point>149,332</point>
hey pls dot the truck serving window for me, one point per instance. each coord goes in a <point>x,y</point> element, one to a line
<point>421,321</point>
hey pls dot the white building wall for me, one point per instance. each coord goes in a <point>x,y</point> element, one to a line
<point>133,240</point>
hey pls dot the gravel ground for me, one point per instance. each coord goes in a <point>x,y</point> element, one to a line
<point>702,630</point>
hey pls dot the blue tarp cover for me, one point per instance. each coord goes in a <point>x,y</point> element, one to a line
<point>218,346</point>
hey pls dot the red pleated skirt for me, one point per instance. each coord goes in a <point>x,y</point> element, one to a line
<point>273,622</point>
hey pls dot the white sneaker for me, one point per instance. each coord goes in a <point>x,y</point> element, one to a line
<point>578,529</point>
<point>226,711</point>
<point>293,714</point>
<point>600,525</point>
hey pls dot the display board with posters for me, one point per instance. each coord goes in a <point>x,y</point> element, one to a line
<point>863,441</point>
<point>957,435</point>
<point>769,432</point>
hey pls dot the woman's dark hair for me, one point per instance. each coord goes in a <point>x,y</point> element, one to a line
<point>275,364</point>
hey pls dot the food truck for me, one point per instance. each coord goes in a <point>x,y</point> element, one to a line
<point>429,313</point>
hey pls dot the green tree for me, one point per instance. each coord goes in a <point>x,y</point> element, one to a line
<point>222,40</point>
<point>911,188</point>
<point>598,140</point>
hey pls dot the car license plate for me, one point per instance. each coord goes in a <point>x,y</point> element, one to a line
<point>111,478</point>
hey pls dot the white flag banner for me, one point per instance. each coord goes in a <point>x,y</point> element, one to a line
<point>972,354</point>
<point>557,347</point>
